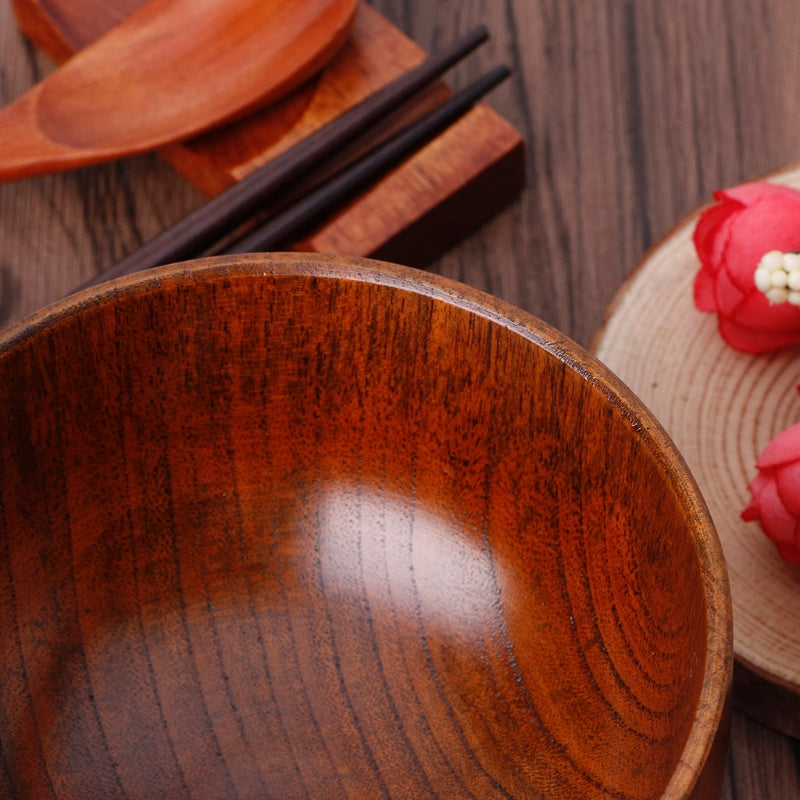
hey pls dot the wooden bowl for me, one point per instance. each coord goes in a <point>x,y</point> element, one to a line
<point>307,527</point>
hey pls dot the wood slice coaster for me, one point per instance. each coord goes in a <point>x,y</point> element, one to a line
<point>430,201</point>
<point>721,408</point>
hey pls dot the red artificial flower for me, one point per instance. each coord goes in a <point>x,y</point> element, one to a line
<point>776,493</point>
<point>731,237</point>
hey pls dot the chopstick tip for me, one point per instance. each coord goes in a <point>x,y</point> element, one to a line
<point>481,32</point>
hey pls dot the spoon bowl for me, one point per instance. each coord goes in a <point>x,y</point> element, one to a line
<point>169,71</point>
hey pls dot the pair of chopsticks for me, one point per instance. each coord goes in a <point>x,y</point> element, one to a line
<point>217,218</point>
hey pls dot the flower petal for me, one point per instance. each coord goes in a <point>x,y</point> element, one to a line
<point>712,229</point>
<point>705,293</point>
<point>749,340</point>
<point>769,223</point>
<point>755,311</point>
<point>782,449</point>
<point>790,552</point>
<point>753,191</point>
<point>728,295</point>
<point>776,521</point>
<point>787,478</point>
<point>755,326</point>
<point>752,511</point>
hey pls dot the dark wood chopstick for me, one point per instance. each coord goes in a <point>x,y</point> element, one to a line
<point>319,202</point>
<point>219,216</point>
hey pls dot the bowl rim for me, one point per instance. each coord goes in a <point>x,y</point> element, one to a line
<point>714,699</point>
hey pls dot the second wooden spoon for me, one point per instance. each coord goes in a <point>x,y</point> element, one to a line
<point>171,70</point>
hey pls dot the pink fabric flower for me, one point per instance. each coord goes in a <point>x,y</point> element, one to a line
<point>730,238</point>
<point>776,493</point>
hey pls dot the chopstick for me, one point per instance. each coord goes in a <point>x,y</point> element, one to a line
<point>219,216</point>
<point>315,205</point>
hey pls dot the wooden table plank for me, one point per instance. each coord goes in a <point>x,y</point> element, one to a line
<point>633,112</point>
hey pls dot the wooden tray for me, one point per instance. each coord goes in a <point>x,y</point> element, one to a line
<point>436,197</point>
<point>720,408</point>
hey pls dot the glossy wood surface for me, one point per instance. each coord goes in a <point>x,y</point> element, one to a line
<point>428,200</point>
<point>171,70</point>
<point>633,113</point>
<point>273,527</point>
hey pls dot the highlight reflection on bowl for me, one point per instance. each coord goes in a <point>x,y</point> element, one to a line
<point>286,526</point>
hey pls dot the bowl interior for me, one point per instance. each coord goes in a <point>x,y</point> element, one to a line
<point>273,528</point>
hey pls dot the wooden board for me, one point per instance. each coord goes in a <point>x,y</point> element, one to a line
<point>721,408</point>
<point>437,196</point>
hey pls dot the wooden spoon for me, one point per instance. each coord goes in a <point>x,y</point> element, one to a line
<point>63,27</point>
<point>169,71</point>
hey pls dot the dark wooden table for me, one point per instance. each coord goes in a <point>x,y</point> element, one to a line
<point>633,111</point>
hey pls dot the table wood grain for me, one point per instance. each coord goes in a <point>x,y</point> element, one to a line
<point>633,112</point>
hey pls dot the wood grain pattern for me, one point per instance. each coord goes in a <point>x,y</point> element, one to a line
<point>168,72</point>
<point>721,408</point>
<point>426,202</point>
<point>632,114</point>
<point>271,527</point>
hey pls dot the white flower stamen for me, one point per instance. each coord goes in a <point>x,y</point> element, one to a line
<point>777,296</point>
<point>772,261</point>
<point>778,277</point>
